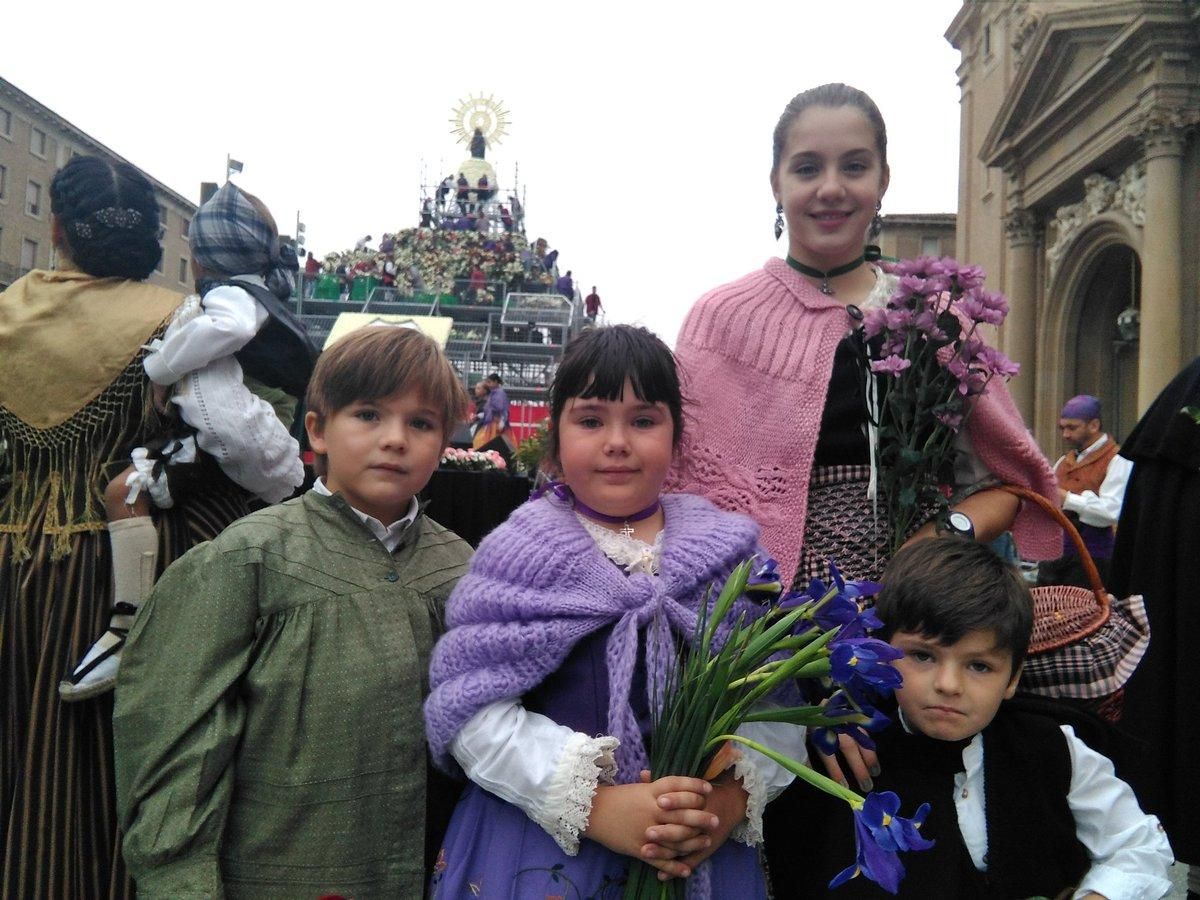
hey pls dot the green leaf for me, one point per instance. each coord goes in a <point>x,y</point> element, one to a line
<point>828,785</point>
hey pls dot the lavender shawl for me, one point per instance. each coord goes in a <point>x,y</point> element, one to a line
<point>538,584</point>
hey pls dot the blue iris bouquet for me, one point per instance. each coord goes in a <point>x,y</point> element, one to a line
<point>745,655</point>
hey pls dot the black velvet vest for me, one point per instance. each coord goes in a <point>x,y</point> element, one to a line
<point>281,354</point>
<point>1032,847</point>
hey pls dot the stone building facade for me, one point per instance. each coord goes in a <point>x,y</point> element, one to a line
<point>909,235</point>
<point>1079,192</point>
<point>34,143</point>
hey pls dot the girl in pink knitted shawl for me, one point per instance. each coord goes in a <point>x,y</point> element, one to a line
<point>775,364</point>
<point>558,641</point>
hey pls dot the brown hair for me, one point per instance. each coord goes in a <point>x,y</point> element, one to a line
<point>832,95</point>
<point>375,362</point>
<point>943,588</point>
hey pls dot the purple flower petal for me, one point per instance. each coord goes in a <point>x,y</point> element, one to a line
<point>864,663</point>
<point>872,861</point>
<point>891,365</point>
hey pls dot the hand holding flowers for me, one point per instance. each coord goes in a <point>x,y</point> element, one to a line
<point>745,656</point>
<point>657,821</point>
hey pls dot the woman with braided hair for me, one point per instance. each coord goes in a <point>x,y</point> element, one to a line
<point>73,399</point>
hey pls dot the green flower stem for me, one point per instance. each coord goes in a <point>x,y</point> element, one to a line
<point>759,674</point>
<point>801,771</point>
<point>810,716</point>
<point>759,646</point>
<point>798,641</point>
<point>735,585</point>
<point>784,672</point>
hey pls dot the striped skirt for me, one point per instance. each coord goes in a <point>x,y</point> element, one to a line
<point>58,824</point>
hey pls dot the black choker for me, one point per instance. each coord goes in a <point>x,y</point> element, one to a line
<point>870,252</point>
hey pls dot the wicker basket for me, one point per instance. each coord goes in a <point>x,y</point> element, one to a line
<point>1085,643</point>
<point>1064,614</point>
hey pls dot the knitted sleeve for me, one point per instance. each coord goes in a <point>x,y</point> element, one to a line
<point>1005,446</point>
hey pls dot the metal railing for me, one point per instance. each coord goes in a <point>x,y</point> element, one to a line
<point>462,344</point>
<point>552,310</point>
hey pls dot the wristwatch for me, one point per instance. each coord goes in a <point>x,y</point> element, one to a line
<point>959,524</point>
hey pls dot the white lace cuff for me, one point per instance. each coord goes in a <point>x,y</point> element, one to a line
<point>584,764</point>
<point>750,829</point>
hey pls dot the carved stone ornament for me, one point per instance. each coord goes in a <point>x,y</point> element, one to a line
<point>1026,22</point>
<point>1022,227</point>
<point>1166,126</point>
<point>1125,196</point>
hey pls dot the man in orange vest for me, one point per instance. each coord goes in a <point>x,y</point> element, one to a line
<point>1091,482</point>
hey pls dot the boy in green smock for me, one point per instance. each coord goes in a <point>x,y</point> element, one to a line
<point>268,728</point>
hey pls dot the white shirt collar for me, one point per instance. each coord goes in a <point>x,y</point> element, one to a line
<point>389,535</point>
<point>1100,441</point>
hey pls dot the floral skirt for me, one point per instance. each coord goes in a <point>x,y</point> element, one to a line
<point>493,850</point>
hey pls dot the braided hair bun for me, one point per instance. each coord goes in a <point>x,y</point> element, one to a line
<point>109,217</point>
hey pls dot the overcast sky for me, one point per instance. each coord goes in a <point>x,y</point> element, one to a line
<point>642,130</point>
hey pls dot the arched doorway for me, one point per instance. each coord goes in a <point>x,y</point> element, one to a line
<point>1106,364</point>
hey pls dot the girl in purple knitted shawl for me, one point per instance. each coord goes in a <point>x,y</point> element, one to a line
<point>558,640</point>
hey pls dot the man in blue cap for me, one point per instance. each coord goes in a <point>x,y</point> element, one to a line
<point>1091,482</point>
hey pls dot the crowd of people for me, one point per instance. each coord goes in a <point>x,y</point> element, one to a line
<point>473,267</point>
<point>334,695</point>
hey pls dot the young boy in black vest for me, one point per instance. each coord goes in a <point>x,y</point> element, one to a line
<point>1021,807</point>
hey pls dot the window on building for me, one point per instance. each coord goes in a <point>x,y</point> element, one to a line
<point>187,223</point>
<point>65,153</point>
<point>28,255</point>
<point>931,246</point>
<point>183,270</point>
<point>5,123</point>
<point>33,199</point>
<point>3,181</point>
<point>162,221</point>
<point>37,142</point>
<point>158,266</point>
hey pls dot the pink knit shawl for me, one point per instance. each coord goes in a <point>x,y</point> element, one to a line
<point>757,355</point>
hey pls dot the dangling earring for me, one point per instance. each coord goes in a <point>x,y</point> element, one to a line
<point>877,222</point>
<point>778,220</point>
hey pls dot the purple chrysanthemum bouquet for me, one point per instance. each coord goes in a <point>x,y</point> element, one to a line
<point>925,343</point>
<point>754,648</point>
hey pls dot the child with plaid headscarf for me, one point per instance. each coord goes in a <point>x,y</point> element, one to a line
<point>238,360</point>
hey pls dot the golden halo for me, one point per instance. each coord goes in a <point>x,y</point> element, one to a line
<point>485,113</point>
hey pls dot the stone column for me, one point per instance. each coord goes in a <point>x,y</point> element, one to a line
<point>1160,354</point>
<point>1020,328</point>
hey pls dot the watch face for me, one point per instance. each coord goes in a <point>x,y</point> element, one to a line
<point>960,523</point>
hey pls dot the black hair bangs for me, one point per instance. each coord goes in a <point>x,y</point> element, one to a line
<point>597,364</point>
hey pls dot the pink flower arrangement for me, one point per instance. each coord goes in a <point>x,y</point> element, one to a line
<point>473,460</point>
<point>925,345</point>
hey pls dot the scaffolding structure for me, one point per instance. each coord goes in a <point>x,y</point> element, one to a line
<point>522,339</point>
